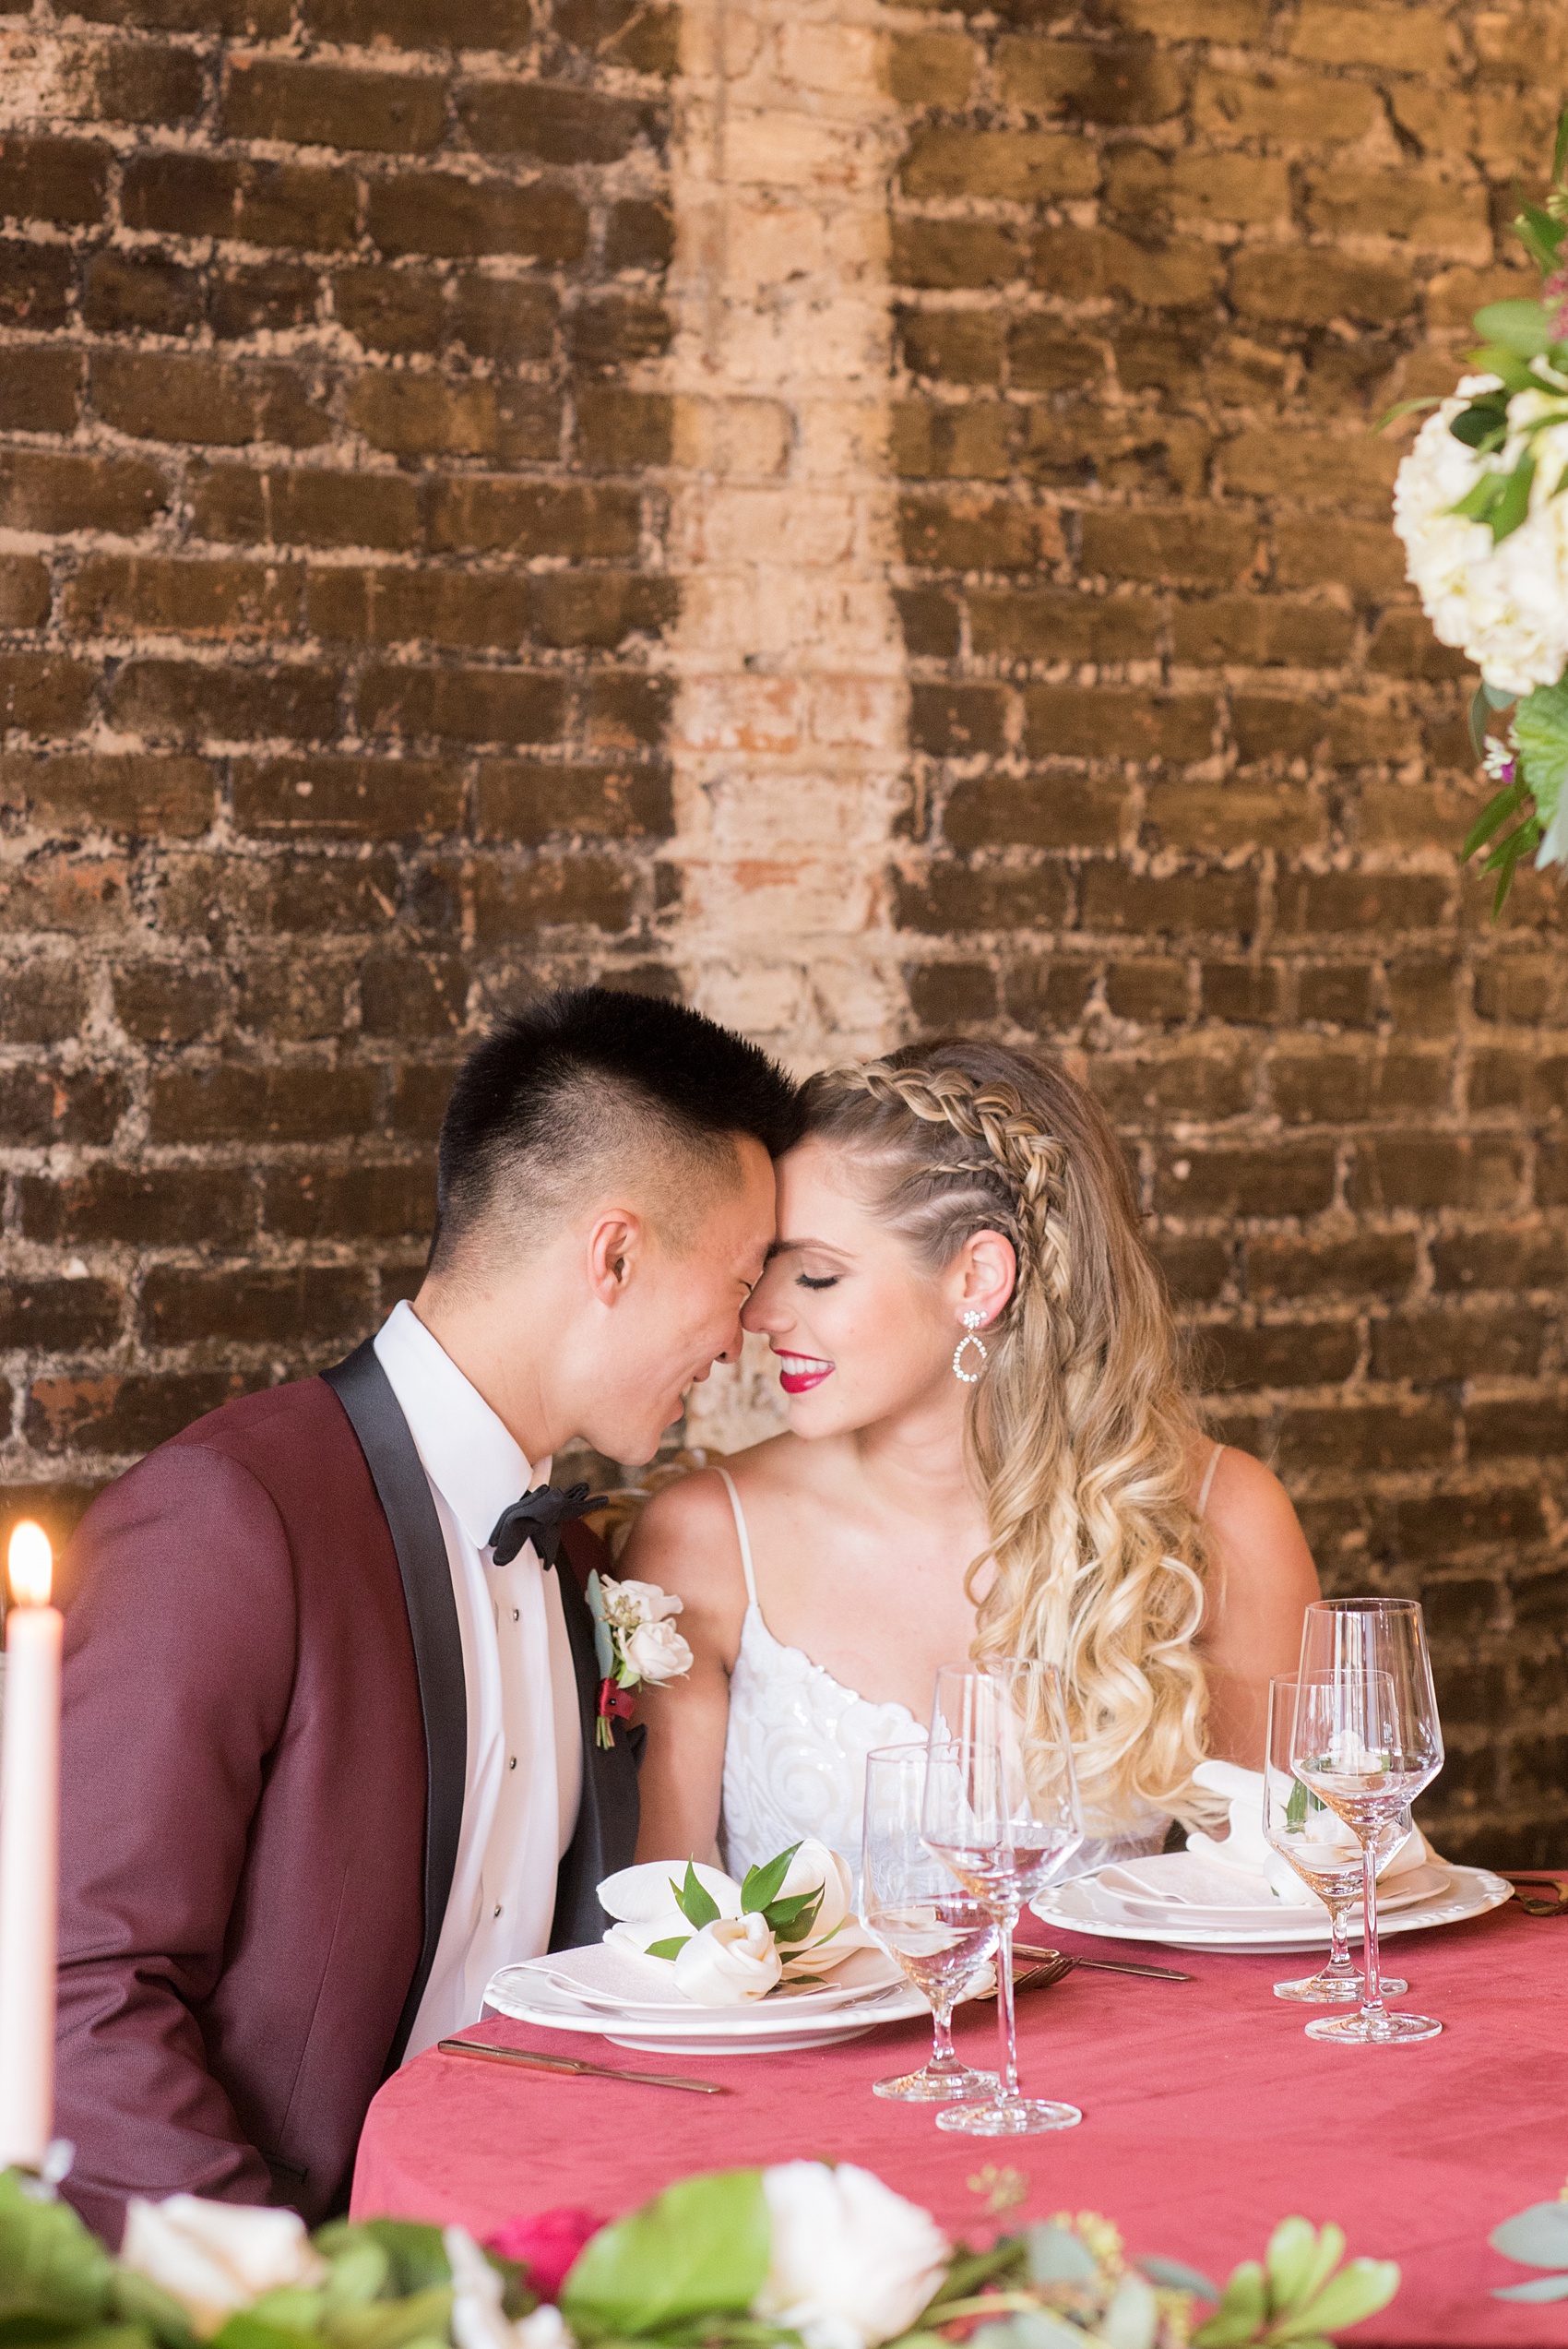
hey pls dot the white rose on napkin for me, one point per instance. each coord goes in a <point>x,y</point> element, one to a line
<point>657,1652</point>
<point>216,2256</point>
<point>852,2263</point>
<point>728,1961</point>
<point>1248,1851</point>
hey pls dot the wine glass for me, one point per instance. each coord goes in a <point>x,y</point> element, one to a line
<point>1001,1812</point>
<point>1301,1828</point>
<point>938,1933</point>
<point>1366,1741</point>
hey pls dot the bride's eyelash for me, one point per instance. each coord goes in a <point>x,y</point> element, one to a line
<point>827,1281</point>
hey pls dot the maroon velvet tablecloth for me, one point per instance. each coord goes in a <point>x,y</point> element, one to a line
<point>1207,2118</point>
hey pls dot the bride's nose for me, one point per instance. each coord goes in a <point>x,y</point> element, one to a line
<point>766,1310</point>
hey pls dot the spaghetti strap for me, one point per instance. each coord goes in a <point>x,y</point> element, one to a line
<point>742,1535</point>
<point>1204,1490</point>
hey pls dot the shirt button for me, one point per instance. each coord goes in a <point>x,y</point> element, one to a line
<point>497,1908</point>
<point>512,1763</point>
<point>517,1615</point>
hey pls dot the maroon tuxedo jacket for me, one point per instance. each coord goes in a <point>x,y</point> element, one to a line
<point>263,1767</point>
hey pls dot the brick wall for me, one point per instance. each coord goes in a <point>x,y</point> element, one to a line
<point>1188,763</point>
<point>864,516</point>
<point>329,566</point>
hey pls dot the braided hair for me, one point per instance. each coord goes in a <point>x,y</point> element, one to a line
<point>1080,1428</point>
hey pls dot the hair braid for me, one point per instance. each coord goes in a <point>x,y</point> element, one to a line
<point>1080,1429</point>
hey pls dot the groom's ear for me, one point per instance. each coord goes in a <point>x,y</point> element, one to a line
<point>616,1242</point>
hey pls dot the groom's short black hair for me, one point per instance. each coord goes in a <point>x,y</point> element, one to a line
<point>583,1079</point>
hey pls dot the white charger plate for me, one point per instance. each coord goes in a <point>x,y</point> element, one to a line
<point>1082,1906</point>
<point>768,2026</point>
<point>1134,1886</point>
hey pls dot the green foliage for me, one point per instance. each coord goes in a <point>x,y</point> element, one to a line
<point>1296,2296</point>
<point>788,1919</point>
<point>1534,2238</point>
<point>699,2250</point>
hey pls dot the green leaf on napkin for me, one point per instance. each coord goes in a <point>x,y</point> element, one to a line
<point>668,1948</point>
<point>693,1900</point>
<point>700,2248</point>
<point>763,1884</point>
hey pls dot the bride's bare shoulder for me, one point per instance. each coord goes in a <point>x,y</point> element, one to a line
<point>685,1537</point>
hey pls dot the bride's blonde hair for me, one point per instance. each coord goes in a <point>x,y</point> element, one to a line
<point>1081,1429</point>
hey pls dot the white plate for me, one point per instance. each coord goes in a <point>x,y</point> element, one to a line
<point>1132,1889</point>
<point>1081,1906</point>
<point>768,2026</point>
<point>624,1982</point>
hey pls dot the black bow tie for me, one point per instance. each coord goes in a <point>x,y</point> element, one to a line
<point>538,1518</point>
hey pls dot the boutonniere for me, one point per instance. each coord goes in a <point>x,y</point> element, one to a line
<point>635,1640</point>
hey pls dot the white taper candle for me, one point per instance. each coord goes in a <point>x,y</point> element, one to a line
<point>30,1853</point>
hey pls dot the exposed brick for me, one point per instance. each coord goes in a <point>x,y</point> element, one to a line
<point>35,284</point>
<point>1033,812</point>
<point>55,1316</point>
<point>555,121</point>
<point>408,24</point>
<point>580,890</point>
<point>40,391</point>
<point>42,693</point>
<point>431,212</point>
<point>949,994</point>
<point>190,701</point>
<point>473,514</point>
<point>234,1103</point>
<point>121,595</point>
<point>1054,627</point>
<point>1294,1354</point>
<point>43,1105</point>
<point>168,1002</point>
<point>964,898</point>
<point>391,1200</point>
<point>160,395</point>
<point>303,1305</point>
<point>65,180</point>
<point>1432,1349</point>
<point>42,491</point>
<point>347,798</point>
<point>1149,992</point>
<point>1116,899</point>
<point>531,802</point>
<point>115,1412</point>
<point>304,507</point>
<point>1424,1171</point>
<point>41,1002</point>
<point>469,705</point>
<point>1025,166</point>
<point>125,293</point>
<point>415,415</point>
<point>149,1207</point>
<point>1290,1178</point>
<point>102,792</point>
<point>1500,1259</point>
<point>1047,995</point>
<point>1350,1264</point>
<point>1397,1436</point>
<point>316,105</point>
<point>264,203</point>
<point>261,297</point>
<point>1325,1081</point>
<point>1189,548</point>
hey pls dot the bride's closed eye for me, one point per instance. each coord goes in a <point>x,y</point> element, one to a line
<point>822,1281</point>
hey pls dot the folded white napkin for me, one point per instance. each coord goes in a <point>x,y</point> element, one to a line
<point>731,1960</point>
<point>1247,1851</point>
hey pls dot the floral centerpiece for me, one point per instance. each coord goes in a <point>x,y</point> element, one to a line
<point>801,2256</point>
<point>1479,503</point>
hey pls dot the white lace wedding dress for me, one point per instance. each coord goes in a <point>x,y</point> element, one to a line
<point>795,1755</point>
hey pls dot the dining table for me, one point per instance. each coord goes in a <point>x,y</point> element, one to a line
<point>1208,2117</point>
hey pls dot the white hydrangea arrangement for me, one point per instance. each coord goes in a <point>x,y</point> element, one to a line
<point>1480,506</point>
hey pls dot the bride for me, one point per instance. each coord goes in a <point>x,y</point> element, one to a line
<point>990,1452</point>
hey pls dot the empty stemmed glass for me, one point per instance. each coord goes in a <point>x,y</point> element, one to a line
<point>939,1934</point>
<point>1001,1811</point>
<point>1366,1741</point>
<point>1301,1828</point>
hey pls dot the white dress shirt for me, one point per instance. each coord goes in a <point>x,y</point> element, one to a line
<point>525,1756</point>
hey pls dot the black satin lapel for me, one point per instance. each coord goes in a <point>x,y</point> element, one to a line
<point>608,1815</point>
<point>365,1392</point>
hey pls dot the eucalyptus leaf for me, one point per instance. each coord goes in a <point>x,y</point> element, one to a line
<point>1360,2289</point>
<point>1513,508</point>
<point>1541,730</point>
<point>699,2249</point>
<point>1540,2287</point>
<point>1239,2316</point>
<point>1535,2238</point>
<point>1174,2276</point>
<point>1132,2320</point>
<point>1498,696</point>
<point>392,2324</point>
<point>136,2300</point>
<point>1522,327</point>
<point>1030,2329</point>
<point>1540,234</point>
<point>693,1900</point>
<point>1408,408</point>
<point>764,1884</point>
<point>50,2265</point>
<point>1289,2261</point>
<point>1058,2256</point>
<point>671,1948</point>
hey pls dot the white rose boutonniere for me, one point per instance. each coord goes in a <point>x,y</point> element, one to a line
<point>635,1640</point>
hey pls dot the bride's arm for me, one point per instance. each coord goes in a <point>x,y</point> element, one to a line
<point>685,1542</point>
<point>1261,1578</point>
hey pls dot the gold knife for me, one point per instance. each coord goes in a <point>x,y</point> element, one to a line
<point>1104,1965</point>
<point>487,2054</point>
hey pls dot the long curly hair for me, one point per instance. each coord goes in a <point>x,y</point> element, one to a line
<point>1081,1429</point>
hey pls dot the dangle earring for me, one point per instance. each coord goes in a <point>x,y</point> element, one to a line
<point>969,1378</point>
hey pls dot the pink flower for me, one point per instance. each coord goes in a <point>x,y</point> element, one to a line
<point>545,2243</point>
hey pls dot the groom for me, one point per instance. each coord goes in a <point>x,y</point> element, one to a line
<point>329,1706</point>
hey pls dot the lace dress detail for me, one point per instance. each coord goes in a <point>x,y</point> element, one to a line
<point>795,1754</point>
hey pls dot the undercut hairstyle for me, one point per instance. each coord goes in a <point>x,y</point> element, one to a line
<point>586,1088</point>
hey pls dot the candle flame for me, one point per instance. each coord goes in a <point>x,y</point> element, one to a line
<point>31,1564</point>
